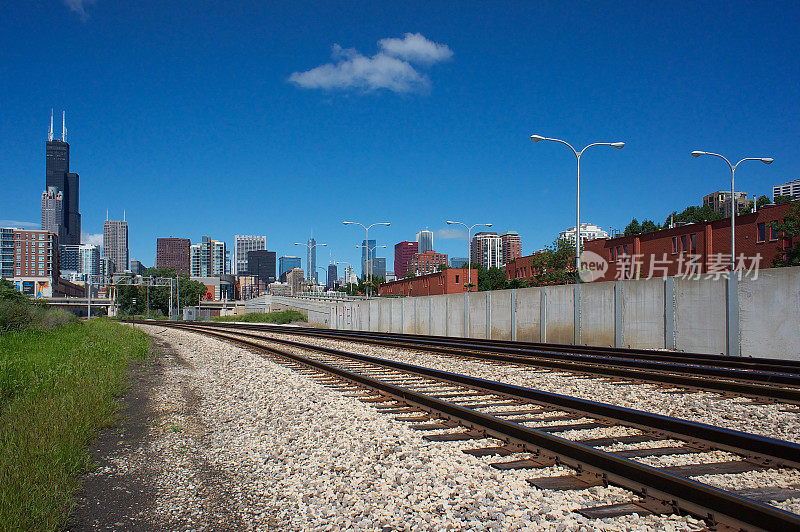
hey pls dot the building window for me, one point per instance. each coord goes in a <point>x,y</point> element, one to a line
<point>674,244</point>
<point>456,278</point>
<point>773,231</point>
<point>612,255</point>
<point>619,251</point>
<point>625,249</point>
<point>684,248</point>
<point>762,232</point>
<point>694,242</point>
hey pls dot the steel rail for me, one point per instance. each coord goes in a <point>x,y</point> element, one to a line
<point>763,448</point>
<point>771,365</point>
<point>717,506</point>
<point>704,378</point>
<point>768,367</point>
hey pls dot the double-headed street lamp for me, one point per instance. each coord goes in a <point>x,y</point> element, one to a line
<point>366,238</point>
<point>469,249</point>
<point>311,274</point>
<point>765,160</point>
<point>619,146</point>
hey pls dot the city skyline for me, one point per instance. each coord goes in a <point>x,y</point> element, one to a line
<point>458,130</point>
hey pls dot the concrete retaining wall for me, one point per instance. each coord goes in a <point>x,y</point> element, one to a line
<point>759,317</point>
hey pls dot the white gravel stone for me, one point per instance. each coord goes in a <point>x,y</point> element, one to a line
<point>304,457</point>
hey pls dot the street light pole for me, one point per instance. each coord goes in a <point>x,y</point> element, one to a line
<point>469,249</point>
<point>369,261</point>
<point>366,241</point>
<point>765,160</point>
<point>578,154</point>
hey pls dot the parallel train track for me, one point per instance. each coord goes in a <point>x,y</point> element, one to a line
<point>537,429</point>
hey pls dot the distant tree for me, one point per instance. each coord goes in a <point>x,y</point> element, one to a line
<point>554,265</point>
<point>633,228</point>
<point>492,279</point>
<point>442,267</point>
<point>790,227</point>
<point>693,214</point>
<point>648,226</point>
<point>761,201</point>
<point>409,275</point>
<point>779,200</point>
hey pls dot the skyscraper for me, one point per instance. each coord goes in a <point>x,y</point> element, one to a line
<point>58,176</point>
<point>115,243</point>
<point>261,263</point>
<point>80,261</point>
<point>311,259</point>
<point>242,244</point>
<point>194,260</point>
<point>285,265</point>
<point>333,274</point>
<point>367,252</point>
<point>403,253</point>
<point>213,258</point>
<point>425,241</point>
<point>53,212</point>
<point>486,250</point>
<point>511,246</point>
<point>173,253</point>
<point>378,268</point>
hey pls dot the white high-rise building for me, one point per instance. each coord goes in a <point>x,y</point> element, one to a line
<point>487,250</point>
<point>424,241</point>
<point>792,188</point>
<point>242,244</point>
<point>194,260</point>
<point>589,231</point>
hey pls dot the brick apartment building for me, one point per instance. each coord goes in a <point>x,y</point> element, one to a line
<point>426,262</point>
<point>173,253</point>
<point>510,246</point>
<point>35,259</point>
<point>695,249</point>
<point>403,253</point>
<point>449,281</point>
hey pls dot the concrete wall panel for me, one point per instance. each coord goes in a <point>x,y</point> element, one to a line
<point>455,315</point>
<point>397,309</point>
<point>597,314</point>
<point>769,314</point>
<point>477,314</point>
<point>409,318</point>
<point>700,315</point>
<point>643,313</point>
<point>423,315</point>
<point>438,315</point>
<point>528,314</point>
<point>560,314</point>
<point>500,313</point>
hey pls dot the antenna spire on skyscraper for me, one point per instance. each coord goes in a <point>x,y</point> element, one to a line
<point>63,126</point>
<point>50,132</point>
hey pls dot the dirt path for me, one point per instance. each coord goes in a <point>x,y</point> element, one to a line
<point>151,472</point>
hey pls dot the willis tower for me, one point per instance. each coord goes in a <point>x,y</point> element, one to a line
<point>59,177</point>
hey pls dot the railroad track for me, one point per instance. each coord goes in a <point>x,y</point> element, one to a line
<point>535,430</point>
<point>762,380</point>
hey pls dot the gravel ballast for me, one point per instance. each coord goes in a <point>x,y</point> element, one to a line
<point>299,456</point>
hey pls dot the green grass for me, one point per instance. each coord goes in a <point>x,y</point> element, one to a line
<point>286,316</point>
<point>57,388</point>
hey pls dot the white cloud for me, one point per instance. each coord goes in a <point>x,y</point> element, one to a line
<point>415,47</point>
<point>388,69</point>
<point>95,239</point>
<point>451,233</point>
<point>79,7</point>
<point>20,224</point>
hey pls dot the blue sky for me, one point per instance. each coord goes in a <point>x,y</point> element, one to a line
<point>276,118</point>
